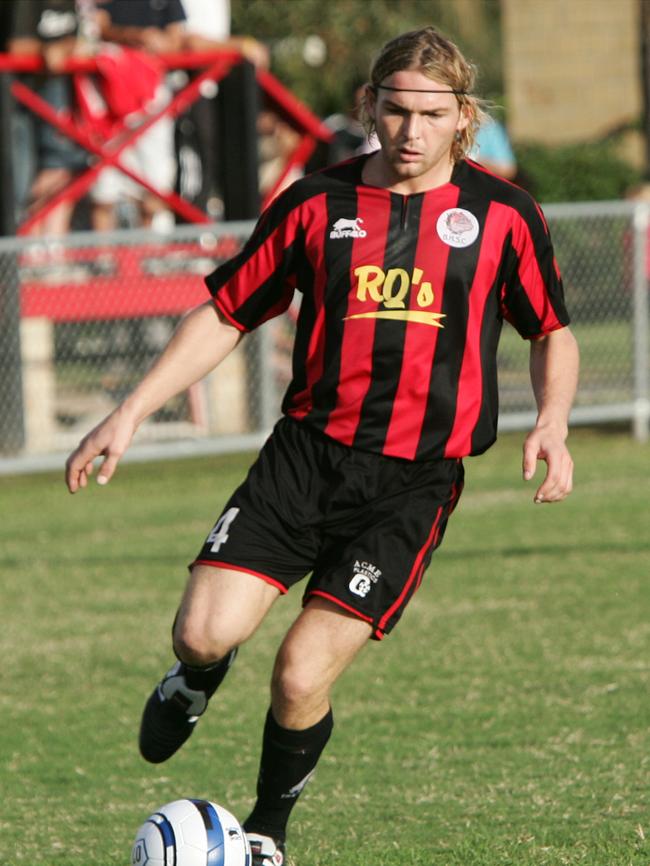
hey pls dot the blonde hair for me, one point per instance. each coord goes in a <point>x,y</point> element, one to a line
<point>438,58</point>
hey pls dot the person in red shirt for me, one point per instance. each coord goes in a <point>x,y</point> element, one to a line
<point>150,27</point>
<point>408,260</point>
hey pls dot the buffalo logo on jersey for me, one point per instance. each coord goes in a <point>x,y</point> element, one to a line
<point>391,289</point>
<point>348,228</point>
<point>457,227</point>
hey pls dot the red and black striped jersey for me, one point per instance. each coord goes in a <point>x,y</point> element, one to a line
<point>403,300</point>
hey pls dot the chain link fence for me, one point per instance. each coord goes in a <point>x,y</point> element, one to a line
<point>602,252</point>
<point>83,318</point>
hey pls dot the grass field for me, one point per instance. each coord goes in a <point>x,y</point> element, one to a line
<point>506,720</point>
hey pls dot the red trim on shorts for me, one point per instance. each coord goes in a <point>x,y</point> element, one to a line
<point>228,565</point>
<point>340,603</point>
<point>420,575</point>
<point>414,571</point>
<point>378,633</point>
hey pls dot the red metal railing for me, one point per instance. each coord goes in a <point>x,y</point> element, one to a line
<point>213,66</point>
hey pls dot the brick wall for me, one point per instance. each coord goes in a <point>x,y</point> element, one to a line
<point>571,67</point>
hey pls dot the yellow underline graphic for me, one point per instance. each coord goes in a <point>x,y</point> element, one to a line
<point>403,315</point>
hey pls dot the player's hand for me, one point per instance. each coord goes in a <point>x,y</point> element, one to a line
<point>154,40</point>
<point>256,52</point>
<point>109,439</point>
<point>547,443</point>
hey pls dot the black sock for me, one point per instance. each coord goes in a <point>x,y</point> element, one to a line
<point>288,760</point>
<point>208,678</point>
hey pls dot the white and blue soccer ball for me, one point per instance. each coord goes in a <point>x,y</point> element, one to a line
<point>191,833</point>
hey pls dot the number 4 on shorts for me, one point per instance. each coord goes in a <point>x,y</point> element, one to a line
<point>219,534</point>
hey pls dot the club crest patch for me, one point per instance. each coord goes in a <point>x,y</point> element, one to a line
<point>364,578</point>
<point>457,227</point>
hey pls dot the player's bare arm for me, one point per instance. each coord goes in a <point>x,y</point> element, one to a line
<point>201,341</point>
<point>554,363</point>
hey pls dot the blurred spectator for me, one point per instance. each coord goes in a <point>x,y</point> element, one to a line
<point>277,140</point>
<point>207,29</point>
<point>155,27</point>
<point>493,149</point>
<point>50,28</point>
<point>350,137</point>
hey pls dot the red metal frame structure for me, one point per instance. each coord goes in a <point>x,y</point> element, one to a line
<point>128,284</point>
<point>212,66</point>
<point>127,287</point>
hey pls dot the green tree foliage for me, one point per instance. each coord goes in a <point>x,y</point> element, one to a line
<point>588,171</point>
<point>322,49</point>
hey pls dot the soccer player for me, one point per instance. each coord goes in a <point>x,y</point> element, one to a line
<point>408,260</point>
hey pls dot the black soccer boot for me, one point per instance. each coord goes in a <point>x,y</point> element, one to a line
<point>173,709</point>
<point>267,851</point>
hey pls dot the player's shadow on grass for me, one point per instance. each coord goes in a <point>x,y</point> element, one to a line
<point>544,550</point>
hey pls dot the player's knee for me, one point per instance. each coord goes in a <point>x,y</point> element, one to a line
<point>198,646</point>
<point>294,683</point>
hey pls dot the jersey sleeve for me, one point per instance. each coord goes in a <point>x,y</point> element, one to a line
<point>532,298</point>
<point>259,282</point>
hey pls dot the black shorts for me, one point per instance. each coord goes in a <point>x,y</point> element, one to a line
<point>364,525</point>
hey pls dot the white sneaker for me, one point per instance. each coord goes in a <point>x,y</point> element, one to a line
<point>266,851</point>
